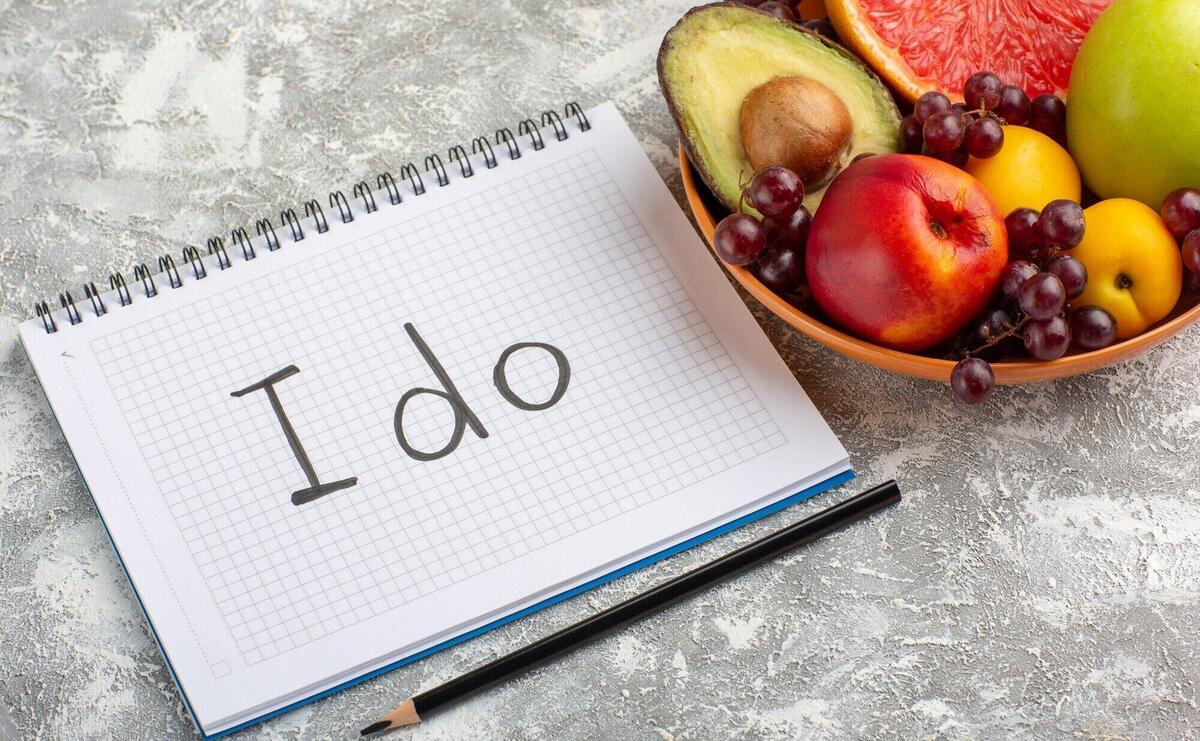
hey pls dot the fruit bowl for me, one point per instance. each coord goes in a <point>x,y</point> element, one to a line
<point>708,212</point>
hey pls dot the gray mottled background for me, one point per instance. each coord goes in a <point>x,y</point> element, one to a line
<point>1042,578</point>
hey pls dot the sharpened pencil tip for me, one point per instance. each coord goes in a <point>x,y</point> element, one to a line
<point>404,714</point>
<point>375,727</point>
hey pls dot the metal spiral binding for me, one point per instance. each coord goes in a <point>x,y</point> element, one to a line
<point>481,147</point>
<point>573,109</point>
<point>459,155</point>
<point>505,136</point>
<point>409,170</point>
<point>551,118</point>
<point>166,264</point>
<point>313,209</point>
<point>42,309</point>
<point>68,303</point>
<point>116,282</point>
<point>192,256</point>
<point>288,216</point>
<point>267,232</point>
<point>216,246</point>
<point>435,162</point>
<point>142,273</point>
<point>385,181</point>
<point>93,295</point>
<point>338,199</point>
<point>363,191</point>
<point>535,137</point>
<point>241,238</point>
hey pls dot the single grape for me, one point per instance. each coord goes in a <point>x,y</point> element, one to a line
<point>1021,226</point>
<point>1048,114</point>
<point>780,10</point>
<point>1092,328</point>
<point>1013,106</point>
<point>1191,282</point>
<point>1191,251</point>
<point>1042,296</point>
<point>1061,223</point>
<point>1047,339</point>
<point>912,134</point>
<point>782,269</point>
<point>982,90</point>
<point>929,104</point>
<point>739,239</point>
<point>1048,106</point>
<point>1014,276</point>
<point>944,131</point>
<point>822,27</point>
<point>1072,273</point>
<point>972,380</point>
<point>993,334</point>
<point>957,157</point>
<point>1181,211</point>
<point>790,231</point>
<point>984,138</point>
<point>994,325</point>
<point>776,191</point>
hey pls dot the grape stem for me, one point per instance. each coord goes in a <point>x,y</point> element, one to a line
<point>1010,332</point>
<point>743,186</point>
<point>989,114</point>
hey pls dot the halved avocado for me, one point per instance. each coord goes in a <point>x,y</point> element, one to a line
<point>717,55</point>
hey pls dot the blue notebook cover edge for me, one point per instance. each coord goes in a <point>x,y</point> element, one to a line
<point>758,514</point>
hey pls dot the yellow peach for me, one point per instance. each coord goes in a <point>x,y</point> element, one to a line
<point>1029,171</point>
<point>1135,270</point>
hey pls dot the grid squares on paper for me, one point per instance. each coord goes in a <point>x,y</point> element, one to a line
<point>557,255</point>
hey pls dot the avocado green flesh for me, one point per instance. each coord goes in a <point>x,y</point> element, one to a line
<point>717,54</point>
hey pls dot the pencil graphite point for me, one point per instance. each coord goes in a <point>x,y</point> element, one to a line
<point>375,727</point>
<point>404,714</point>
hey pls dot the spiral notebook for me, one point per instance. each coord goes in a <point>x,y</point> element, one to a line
<point>401,415</point>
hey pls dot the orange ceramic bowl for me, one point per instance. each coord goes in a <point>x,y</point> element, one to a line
<point>707,211</point>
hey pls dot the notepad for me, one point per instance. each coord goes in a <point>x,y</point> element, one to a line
<point>391,419</point>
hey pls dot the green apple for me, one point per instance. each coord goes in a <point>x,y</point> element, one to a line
<point>1133,116</point>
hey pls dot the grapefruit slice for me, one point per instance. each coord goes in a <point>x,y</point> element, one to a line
<point>938,44</point>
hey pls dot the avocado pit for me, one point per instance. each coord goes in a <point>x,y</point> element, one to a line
<point>798,123</point>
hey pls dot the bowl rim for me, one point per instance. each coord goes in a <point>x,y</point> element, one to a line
<point>921,366</point>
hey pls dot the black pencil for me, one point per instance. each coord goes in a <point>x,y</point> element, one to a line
<point>838,516</point>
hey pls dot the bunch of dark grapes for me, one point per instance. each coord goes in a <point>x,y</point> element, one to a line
<point>1034,310</point>
<point>780,10</point>
<point>1181,213</point>
<point>953,132</point>
<point>775,245</point>
<point>786,12</point>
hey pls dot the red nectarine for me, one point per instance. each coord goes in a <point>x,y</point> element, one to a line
<point>905,250</point>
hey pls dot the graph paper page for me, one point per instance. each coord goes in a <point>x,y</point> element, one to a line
<point>520,382</point>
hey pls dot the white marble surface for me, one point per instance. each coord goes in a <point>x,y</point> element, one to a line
<point>1042,578</point>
